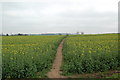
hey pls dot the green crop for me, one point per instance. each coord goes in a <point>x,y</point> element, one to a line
<point>28,56</point>
<point>90,53</point>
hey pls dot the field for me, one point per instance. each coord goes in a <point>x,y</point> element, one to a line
<point>33,56</point>
<point>28,56</point>
<point>90,53</point>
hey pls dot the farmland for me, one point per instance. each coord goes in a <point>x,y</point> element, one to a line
<point>28,56</point>
<point>33,56</point>
<point>90,53</point>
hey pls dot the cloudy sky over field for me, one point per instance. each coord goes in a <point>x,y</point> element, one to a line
<point>89,16</point>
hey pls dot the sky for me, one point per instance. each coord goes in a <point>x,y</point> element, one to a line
<point>33,16</point>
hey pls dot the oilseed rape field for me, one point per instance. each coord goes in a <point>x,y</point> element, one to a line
<point>90,53</point>
<point>33,56</point>
<point>28,56</point>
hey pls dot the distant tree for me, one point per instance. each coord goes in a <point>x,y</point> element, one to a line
<point>7,34</point>
<point>82,33</point>
<point>26,34</point>
<point>59,34</point>
<point>67,34</point>
<point>20,34</point>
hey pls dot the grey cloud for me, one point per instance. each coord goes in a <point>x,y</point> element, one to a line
<point>56,17</point>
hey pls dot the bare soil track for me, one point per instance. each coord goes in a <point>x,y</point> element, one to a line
<point>55,71</point>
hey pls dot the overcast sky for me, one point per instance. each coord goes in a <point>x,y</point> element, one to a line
<point>89,16</point>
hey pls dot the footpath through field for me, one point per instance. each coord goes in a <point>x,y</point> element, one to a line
<point>55,71</point>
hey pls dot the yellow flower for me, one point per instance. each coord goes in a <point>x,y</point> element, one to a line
<point>11,58</point>
<point>83,51</point>
<point>15,53</point>
<point>82,54</point>
<point>89,51</point>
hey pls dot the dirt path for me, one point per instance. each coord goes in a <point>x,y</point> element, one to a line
<point>55,71</point>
